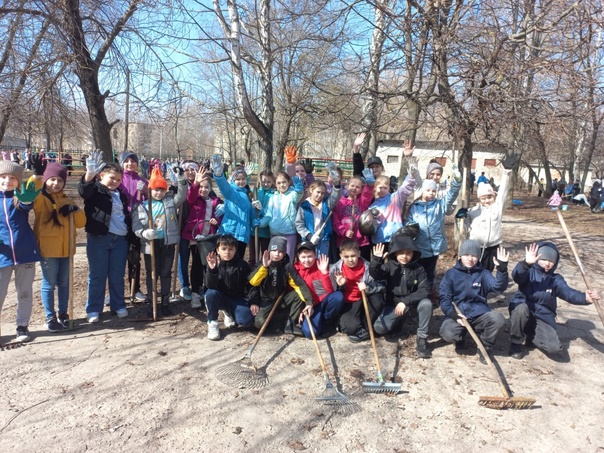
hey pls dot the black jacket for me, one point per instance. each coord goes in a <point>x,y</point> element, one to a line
<point>229,277</point>
<point>98,205</point>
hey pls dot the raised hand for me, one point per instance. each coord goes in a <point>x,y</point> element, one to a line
<point>323,264</point>
<point>216,164</point>
<point>291,154</point>
<point>332,169</point>
<point>457,176</point>
<point>28,192</point>
<point>179,172</point>
<point>378,250</point>
<point>200,175</point>
<point>94,163</point>
<point>531,254</point>
<point>140,186</point>
<point>250,168</point>
<point>503,256</point>
<point>340,279</point>
<point>356,146</point>
<point>408,148</point>
<point>368,176</point>
<point>266,259</point>
<point>212,260</point>
<point>38,163</point>
<point>298,184</point>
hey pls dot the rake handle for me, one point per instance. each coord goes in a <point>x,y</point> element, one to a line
<point>71,262</point>
<point>485,354</point>
<point>153,270</point>
<point>372,336</point>
<point>316,343</point>
<point>265,325</point>
<point>176,252</point>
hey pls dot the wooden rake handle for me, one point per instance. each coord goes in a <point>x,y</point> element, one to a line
<point>371,335</point>
<point>152,245</point>
<point>316,343</point>
<point>265,325</point>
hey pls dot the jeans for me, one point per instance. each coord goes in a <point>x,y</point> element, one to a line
<point>106,260</point>
<point>184,253</point>
<point>55,273</point>
<point>216,300</point>
<point>326,310</point>
<point>164,257</point>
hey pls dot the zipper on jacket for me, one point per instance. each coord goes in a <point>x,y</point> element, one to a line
<point>10,231</point>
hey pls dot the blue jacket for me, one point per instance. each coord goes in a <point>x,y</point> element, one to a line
<point>468,288</point>
<point>237,210</point>
<point>19,244</point>
<point>430,216</point>
<point>540,289</point>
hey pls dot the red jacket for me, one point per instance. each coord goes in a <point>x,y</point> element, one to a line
<point>320,284</point>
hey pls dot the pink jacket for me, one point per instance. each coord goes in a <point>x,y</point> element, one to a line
<point>197,214</point>
<point>342,216</point>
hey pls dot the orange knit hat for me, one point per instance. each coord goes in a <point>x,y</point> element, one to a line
<point>157,181</point>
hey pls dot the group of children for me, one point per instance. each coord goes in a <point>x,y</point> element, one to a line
<point>301,222</point>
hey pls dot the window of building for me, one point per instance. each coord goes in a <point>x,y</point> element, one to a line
<point>442,161</point>
<point>490,162</point>
<point>392,159</point>
<point>473,164</point>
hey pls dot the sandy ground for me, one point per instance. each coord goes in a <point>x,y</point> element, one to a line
<point>133,386</point>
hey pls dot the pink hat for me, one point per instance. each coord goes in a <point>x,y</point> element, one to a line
<point>484,189</point>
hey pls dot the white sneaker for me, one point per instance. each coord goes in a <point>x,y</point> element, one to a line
<point>22,334</point>
<point>92,317</point>
<point>185,293</point>
<point>195,300</point>
<point>140,297</point>
<point>213,331</point>
<point>122,313</point>
<point>228,320</point>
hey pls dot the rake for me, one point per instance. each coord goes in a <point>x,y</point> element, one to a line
<point>495,402</point>
<point>380,386</point>
<point>331,396</point>
<point>242,373</point>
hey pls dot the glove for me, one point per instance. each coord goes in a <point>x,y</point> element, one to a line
<point>67,209</point>
<point>94,163</point>
<point>38,163</point>
<point>298,185</point>
<point>412,165</point>
<point>456,174</point>
<point>216,164</point>
<point>332,169</point>
<point>510,161</point>
<point>171,174</point>
<point>179,172</point>
<point>257,205</point>
<point>308,166</point>
<point>149,234</point>
<point>502,266</point>
<point>368,176</point>
<point>290,153</point>
<point>219,212</point>
<point>454,316</point>
<point>315,238</point>
<point>462,213</point>
<point>250,168</point>
<point>140,185</point>
<point>28,192</point>
<point>255,223</point>
<point>200,237</point>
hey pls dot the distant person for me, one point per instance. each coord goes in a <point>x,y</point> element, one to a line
<point>483,179</point>
<point>541,186</point>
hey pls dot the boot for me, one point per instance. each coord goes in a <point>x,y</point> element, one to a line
<point>165,306</point>
<point>422,348</point>
<point>516,351</point>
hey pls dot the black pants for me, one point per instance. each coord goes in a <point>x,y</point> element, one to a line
<point>241,246</point>
<point>134,268</point>
<point>164,258</point>
<point>197,270</point>
<point>487,257</point>
<point>288,311</point>
<point>353,316</point>
<point>429,265</point>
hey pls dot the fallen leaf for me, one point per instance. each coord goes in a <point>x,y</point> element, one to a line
<point>297,445</point>
<point>237,430</point>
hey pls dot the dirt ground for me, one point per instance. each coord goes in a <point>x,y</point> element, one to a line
<point>122,385</point>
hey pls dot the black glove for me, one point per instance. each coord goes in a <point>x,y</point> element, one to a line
<point>308,166</point>
<point>454,316</point>
<point>67,209</point>
<point>462,213</point>
<point>308,236</point>
<point>510,161</point>
<point>178,171</point>
<point>38,163</point>
<point>503,266</point>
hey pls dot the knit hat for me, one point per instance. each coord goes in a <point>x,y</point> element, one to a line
<point>189,164</point>
<point>548,253</point>
<point>54,169</point>
<point>469,247</point>
<point>8,167</point>
<point>434,166</point>
<point>128,154</point>
<point>278,243</point>
<point>428,184</point>
<point>484,189</point>
<point>374,160</point>
<point>306,245</point>
<point>157,181</point>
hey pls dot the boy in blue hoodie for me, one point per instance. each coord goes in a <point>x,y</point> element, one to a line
<point>533,307</point>
<point>468,284</point>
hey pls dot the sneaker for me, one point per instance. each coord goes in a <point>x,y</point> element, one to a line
<point>195,299</point>
<point>213,330</point>
<point>422,348</point>
<point>52,325</point>
<point>64,320</point>
<point>140,297</point>
<point>186,294</point>
<point>228,320</point>
<point>516,351</point>
<point>22,334</point>
<point>460,347</point>
<point>92,317</point>
<point>122,312</point>
<point>361,335</point>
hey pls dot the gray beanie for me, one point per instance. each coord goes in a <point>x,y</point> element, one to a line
<point>128,154</point>
<point>428,184</point>
<point>278,243</point>
<point>434,166</point>
<point>548,253</point>
<point>10,168</point>
<point>470,247</point>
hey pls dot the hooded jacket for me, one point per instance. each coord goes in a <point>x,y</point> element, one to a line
<point>540,289</point>
<point>18,243</point>
<point>391,211</point>
<point>305,220</point>
<point>318,283</point>
<point>373,286</point>
<point>128,188</point>
<point>98,205</point>
<point>407,283</point>
<point>469,288</point>
<point>280,213</point>
<point>237,219</point>
<point>342,216</point>
<point>194,222</point>
<point>229,277</point>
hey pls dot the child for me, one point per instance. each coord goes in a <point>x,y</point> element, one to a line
<point>18,248</point>
<point>407,288</point>
<point>347,211</point>
<point>263,195</point>
<point>108,226</point>
<point>51,227</point>
<point>429,213</point>
<point>468,284</point>
<point>202,220</point>
<point>327,303</point>
<point>294,168</point>
<point>274,276</point>
<point>135,189</point>
<point>533,307</point>
<point>313,214</point>
<point>280,213</point>
<point>165,232</point>
<point>351,274</point>
<point>227,285</point>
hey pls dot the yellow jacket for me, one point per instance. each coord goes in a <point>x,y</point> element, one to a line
<point>53,240</point>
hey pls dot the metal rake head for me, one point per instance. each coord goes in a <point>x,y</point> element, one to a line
<point>500,402</point>
<point>242,374</point>
<point>390,388</point>
<point>9,346</point>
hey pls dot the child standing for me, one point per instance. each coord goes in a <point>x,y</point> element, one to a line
<point>165,233</point>
<point>51,227</point>
<point>407,288</point>
<point>351,274</point>
<point>533,307</point>
<point>263,196</point>
<point>18,249</point>
<point>468,284</point>
<point>107,226</point>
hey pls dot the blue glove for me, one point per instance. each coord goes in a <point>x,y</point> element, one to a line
<point>216,164</point>
<point>255,223</point>
<point>368,176</point>
<point>298,185</point>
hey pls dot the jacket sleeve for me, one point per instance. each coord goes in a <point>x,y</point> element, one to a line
<point>357,164</point>
<point>299,285</point>
<point>521,273</point>
<point>193,194</point>
<point>377,268</point>
<point>225,188</point>
<point>258,275</point>
<point>366,198</point>
<point>327,283</point>
<point>181,194</point>
<point>565,292</point>
<point>423,289</point>
<point>139,219</point>
<point>301,228</point>
<point>445,295</point>
<point>452,194</point>
<point>337,217</point>
<point>497,284</point>
<point>334,197</point>
<point>504,190</point>
<point>373,286</point>
<point>86,189</point>
<point>401,195</point>
<point>290,169</point>
<point>212,278</point>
